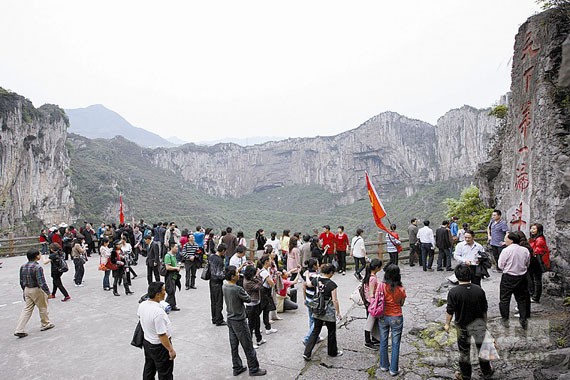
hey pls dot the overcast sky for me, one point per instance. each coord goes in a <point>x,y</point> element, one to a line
<point>203,70</point>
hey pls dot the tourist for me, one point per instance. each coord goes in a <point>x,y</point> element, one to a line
<point>44,242</point>
<point>267,302</point>
<point>541,259</point>
<point>427,245</point>
<point>369,284</point>
<point>326,239</point>
<point>35,291</point>
<point>329,290</point>
<point>78,253</point>
<point>216,263</point>
<point>127,249</point>
<point>293,259</point>
<point>284,244</point>
<point>261,240</point>
<point>316,251</point>
<point>152,259</point>
<point>105,255</point>
<point>159,354</point>
<point>231,244</point>
<point>89,234</point>
<point>241,239</point>
<point>454,229</point>
<point>415,254</point>
<point>199,236</point>
<point>235,297</point>
<point>392,319</point>
<point>190,255</point>
<point>274,243</point>
<point>514,261</point>
<point>67,240</point>
<point>252,284</point>
<point>341,243</point>
<point>461,232</point>
<point>496,231</point>
<point>393,244</point>
<point>305,253</point>
<point>444,243</point>
<point>309,292</point>
<point>57,270</point>
<point>468,303</point>
<point>172,278</point>
<point>117,265</point>
<point>468,252</point>
<point>358,251</point>
<point>138,237</point>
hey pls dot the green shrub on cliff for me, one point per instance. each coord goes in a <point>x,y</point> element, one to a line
<point>469,209</point>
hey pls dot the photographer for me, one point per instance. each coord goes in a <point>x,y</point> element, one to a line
<point>468,252</point>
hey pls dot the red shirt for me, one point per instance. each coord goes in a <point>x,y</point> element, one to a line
<point>540,249</point>
<point>56,238</point>
<point>341,242</point>
<point>328,239</point>
<point>392,300</point>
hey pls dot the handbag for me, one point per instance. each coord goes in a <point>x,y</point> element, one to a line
<point>102,267</point>
<point>330,313</point>
<point>138,336</point>
<point>376,307</point>
<point>206,272</point>
<point>356,296</point>
<point>62,265</point>
<point>488,349</point>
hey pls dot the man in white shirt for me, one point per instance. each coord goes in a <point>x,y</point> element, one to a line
<point>427,245</point>
<point>158,350</point>
<point>467,252</point>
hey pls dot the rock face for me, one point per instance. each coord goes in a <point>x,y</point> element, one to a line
<point>395,150</point>
<point>34,164</point>
<point>527,174</point>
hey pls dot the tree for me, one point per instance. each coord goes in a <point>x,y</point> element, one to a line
<point>469,209</point>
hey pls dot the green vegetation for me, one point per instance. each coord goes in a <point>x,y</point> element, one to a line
<point>469,209</point>
<point>500,112</point>
<point>548,4</point>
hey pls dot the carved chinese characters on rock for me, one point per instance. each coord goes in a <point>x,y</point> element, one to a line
<point>522,181</point>
<point>518,217</point>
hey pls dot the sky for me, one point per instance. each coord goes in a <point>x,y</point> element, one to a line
<point>207,70</point>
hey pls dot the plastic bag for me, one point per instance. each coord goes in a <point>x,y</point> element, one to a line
<point>488,349</point>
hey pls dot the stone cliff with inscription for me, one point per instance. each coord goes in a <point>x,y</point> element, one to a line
<point>528,171</point>
<point>34,163</point>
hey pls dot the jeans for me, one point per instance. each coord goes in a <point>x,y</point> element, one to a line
<point>311,324</point>
<point>359,264</point>
<point>253,321</point>
<point>57,284</point>
<point>477,331</point>
<point>427,255</point>
<point>216,301</point>
<point>79,271</point>
<point>517,285</point>
<point>332,348</point>
<point>396,324</point>
<point>157,359</point>
<point>239,334</point>
<point>106,283</point>
<point>444,257</point>
<point>341,257</point>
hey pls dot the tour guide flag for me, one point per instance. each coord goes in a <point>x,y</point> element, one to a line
<point>121,215</point>
<point>377,209</point>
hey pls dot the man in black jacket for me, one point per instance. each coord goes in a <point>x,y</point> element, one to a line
<point>216,263</point>
<point>444,242</point>
<point>152,259</point>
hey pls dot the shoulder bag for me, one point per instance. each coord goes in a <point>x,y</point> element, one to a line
<point>376,307</point>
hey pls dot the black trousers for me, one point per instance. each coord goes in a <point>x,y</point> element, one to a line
<point>170,285</point>
<point>150,271</point>
<point>267,305</point>
<point>496,253</point>
<point>341,258</point>
<point>464,343</point>
<point>191,267</point>
<point>427,255</point>
<point>254,321</point>
<point>517,285</point>
<point>239,334</point>
<point>415,255</point>
<point>332,348</point>
<point>444,258</point>
<point>535,278</point>
<point>216,301</point>
<point>359,264</point>
<point>57,284</point>
<point>118,275</point>
<point>328,258</point>
<point>474,278</point>
<point>79,271</point>
<point>393,257</point>
<point>157,359</point>
<point>67,251</point>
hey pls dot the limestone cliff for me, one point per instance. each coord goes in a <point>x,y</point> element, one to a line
<point>527,174</point>
<point>34,183</point>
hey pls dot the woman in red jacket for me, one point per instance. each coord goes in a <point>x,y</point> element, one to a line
<point>540,261</point>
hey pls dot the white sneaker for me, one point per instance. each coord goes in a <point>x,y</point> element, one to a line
<point>517,315</point>
<point>255,346</point>
<point>270,331</point>
<point>260,342</point>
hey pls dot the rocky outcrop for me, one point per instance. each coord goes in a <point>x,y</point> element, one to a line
<point>398,152</point>
<point>34,164</point>
<point>527,173</point>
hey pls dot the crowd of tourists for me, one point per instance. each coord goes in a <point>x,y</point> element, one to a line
<point>257,283</point>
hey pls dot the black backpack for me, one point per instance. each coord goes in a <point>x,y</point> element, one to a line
<point>318,305</point>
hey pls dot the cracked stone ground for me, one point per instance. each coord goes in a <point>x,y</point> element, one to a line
<point>427,352</point>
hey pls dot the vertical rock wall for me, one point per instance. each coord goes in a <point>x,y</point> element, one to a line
<point>527,174</point>
<point>34,164</point>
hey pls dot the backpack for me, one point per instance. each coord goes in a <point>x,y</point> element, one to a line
<point>376,307</point>
<point>318,305</point>
<point>162,268</point>
<point>62,265</point>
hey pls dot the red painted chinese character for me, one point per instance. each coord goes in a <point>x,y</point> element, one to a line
<point>527,76</point>
<point>522,180</point>
<point>517,219</point>
<point>527,49</point>
<point>525,123</point>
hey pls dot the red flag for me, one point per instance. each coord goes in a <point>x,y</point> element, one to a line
<point>377,208</point>
<point>121,215</point>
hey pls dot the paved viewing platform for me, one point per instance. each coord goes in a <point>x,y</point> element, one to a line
<point>93,331</point>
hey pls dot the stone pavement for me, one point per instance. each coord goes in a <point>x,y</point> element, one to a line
<point>93,331</point>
